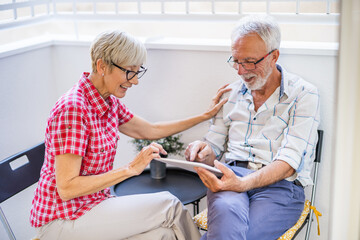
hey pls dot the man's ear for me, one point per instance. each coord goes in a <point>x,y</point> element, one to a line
<point>274,57</point>
<point>100,66</point>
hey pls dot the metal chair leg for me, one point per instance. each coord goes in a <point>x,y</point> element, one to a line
<point>196,207</point>
<point>308,228</point>
<point>6,225</point>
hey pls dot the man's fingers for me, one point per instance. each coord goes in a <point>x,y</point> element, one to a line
<point>222,167</point>
<point>194,151</point>
<point>204,152</point>
<point>202,177</point>
<point>209,179</point>
<point>188,152</point>
<point>191,150</point>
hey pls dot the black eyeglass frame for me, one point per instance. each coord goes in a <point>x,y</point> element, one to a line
<point>133,72</point>
<point>231,63</point>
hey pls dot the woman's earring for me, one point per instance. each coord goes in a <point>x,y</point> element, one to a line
<point>103,74</point>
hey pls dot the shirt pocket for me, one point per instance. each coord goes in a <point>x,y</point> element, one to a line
<point>101,143</point>
<point>102,148</point>
<point>99,158</point>
<point>274,128</point>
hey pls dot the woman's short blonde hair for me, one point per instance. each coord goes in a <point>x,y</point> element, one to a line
<point>117,47</point>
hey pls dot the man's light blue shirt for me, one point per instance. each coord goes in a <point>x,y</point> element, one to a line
<point>283,128</point>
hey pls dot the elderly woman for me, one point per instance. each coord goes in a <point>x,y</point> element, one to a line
<point>72,199</point>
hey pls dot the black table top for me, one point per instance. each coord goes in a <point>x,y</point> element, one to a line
<point>185,185</point>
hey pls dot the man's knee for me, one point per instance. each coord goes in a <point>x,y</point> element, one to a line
<point>228,216</point>
<point>225,207</point>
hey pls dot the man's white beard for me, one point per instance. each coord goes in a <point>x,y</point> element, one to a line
<point>258,82</point>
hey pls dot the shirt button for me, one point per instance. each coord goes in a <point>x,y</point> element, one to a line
<point>102,150</point>
<point>69,127</point>
<point>254,118</point>
<point>253,155</point>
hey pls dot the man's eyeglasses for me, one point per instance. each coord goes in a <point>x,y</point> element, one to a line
<point>131,74</point>
<point>246,65</point>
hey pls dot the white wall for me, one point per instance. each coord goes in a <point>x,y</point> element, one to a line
<point>27,93</point>
<point>179,83</point>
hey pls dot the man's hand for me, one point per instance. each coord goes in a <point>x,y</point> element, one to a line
<point>199,151</point>
<point>228,182</point>
<point>270,174</point>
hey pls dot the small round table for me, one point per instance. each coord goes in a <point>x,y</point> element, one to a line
<point>185,185</point>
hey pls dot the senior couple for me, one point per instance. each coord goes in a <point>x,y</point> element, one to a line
<point>263,126</point>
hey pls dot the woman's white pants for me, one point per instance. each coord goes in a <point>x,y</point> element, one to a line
<point>145,216</point>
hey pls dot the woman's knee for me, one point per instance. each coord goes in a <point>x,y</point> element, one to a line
<point>167,199</point>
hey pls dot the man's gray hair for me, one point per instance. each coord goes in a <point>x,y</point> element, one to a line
<point>264,25</point>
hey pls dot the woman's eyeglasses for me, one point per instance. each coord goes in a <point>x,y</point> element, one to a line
<point>131,74</point>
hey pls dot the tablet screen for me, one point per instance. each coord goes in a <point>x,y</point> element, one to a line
<point>189,165</point>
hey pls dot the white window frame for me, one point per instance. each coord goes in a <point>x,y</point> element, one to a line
<point>52,12</point>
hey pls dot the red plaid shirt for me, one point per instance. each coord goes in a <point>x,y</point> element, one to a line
<point>85,124</point>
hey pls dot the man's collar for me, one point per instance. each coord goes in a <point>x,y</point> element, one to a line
<point>243,89</point>
<point>98,103</point>
<point>284,85</point>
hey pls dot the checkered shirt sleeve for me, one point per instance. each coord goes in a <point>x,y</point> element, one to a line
<point>85,124</point>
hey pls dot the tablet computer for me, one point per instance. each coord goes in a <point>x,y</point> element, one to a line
<point>189,165</point>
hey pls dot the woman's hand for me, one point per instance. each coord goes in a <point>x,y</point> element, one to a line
<point>144,157</point>
<point>70,184</point>
<point>216,104</point>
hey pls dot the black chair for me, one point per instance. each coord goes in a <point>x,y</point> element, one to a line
<point>17,173</point>
<point>313,190</point>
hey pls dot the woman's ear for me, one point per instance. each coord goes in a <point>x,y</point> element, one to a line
<point>100,66</point>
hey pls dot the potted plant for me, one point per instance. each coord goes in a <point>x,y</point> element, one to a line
<point>171,144</point>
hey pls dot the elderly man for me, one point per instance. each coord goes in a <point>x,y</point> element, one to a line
<point>268,133</point>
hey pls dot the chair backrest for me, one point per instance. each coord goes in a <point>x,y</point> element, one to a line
<point>14,179</point>
<point>319,146</point>
<point>313,190</point>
